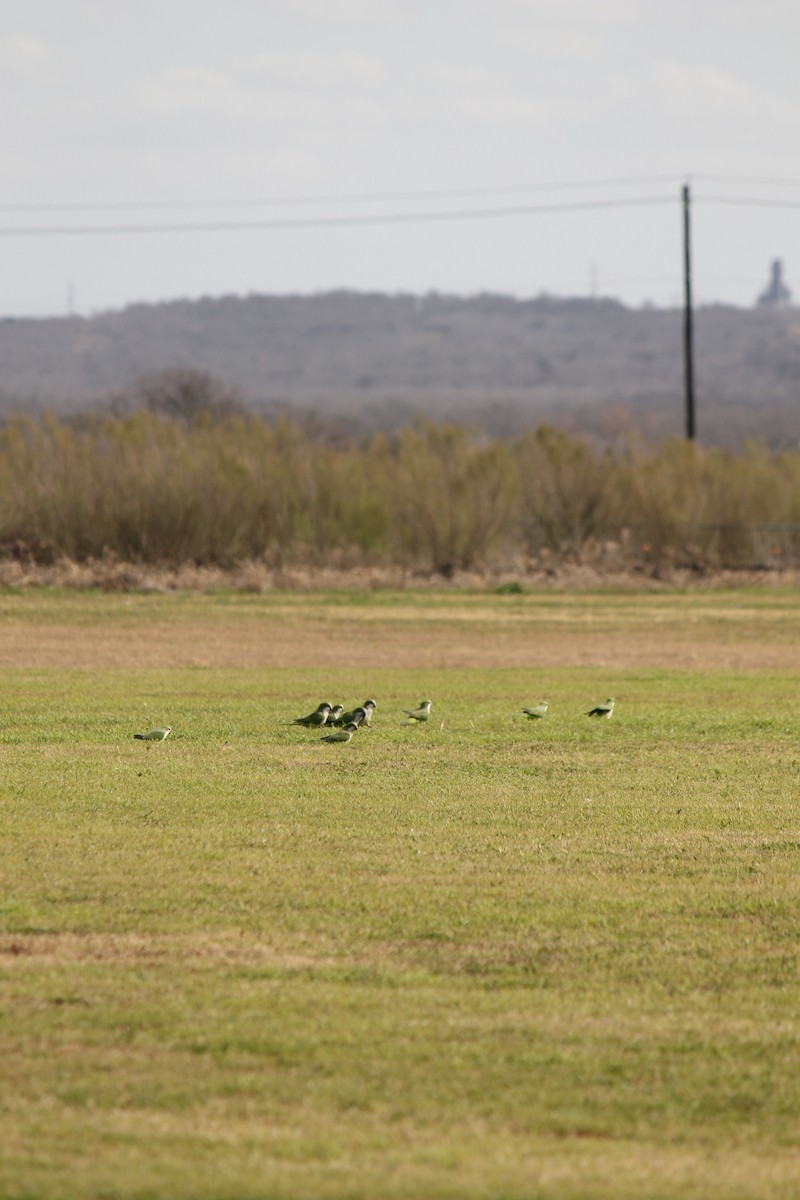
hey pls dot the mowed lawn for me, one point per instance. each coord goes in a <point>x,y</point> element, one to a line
<point>486,957</point>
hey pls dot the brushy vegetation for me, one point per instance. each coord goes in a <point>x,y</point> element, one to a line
<point>226,488</point>
<point>486,958</point>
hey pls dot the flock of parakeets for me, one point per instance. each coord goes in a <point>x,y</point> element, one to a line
<point>344,724</point>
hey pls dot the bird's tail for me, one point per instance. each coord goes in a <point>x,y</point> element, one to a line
<point>140,736</point>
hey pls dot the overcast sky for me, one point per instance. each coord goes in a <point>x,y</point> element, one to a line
<point>245,112</point>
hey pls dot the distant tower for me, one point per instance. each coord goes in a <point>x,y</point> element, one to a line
<point>776,294</point>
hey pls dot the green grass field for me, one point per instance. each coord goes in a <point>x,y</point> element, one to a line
<point>486,958</point>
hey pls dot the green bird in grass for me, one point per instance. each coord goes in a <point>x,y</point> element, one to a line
<point>358,716</point>
<point>341,735</point>
<point>418,715</point>
<point>154,735</point>
<point>537,712</point>
<point>315,719</point>
<point>602,710</point>
<point>334,714</point>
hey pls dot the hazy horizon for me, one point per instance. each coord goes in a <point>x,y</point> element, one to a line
<point>644,305</point>
<point>159,152</point>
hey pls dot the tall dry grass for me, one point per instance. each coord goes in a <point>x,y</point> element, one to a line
<point>149,488</point>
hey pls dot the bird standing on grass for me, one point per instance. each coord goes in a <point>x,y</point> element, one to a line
<point>539,710</point>
<point>359,716</point>
<point>334,714</point>
<point>356,716</point>
<point>318,717</point>
<point>602,710</point>
<point>341,735</point>
<point>416,716</point>
<point>154,735</point>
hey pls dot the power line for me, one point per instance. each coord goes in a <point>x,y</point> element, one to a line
<point>364,219</point>
<point>333,197</point>
<point>749,180</point>
<point>341,220</point>
<point>274,201</point>
<point>396,218</point>
<point>749,201</point>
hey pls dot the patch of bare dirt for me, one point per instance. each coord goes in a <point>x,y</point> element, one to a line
<point>315,633</point>
<point>313,640</point>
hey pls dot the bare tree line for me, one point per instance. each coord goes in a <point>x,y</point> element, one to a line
<point>223,487</point>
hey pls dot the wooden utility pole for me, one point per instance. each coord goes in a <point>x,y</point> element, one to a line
<point>688,332</point>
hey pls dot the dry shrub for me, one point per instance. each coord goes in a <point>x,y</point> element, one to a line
<point>569,494</point>
<point>451,497</point>
<point>116,496</point>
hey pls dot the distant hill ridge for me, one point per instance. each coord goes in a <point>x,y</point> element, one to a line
<point>378,360</point>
